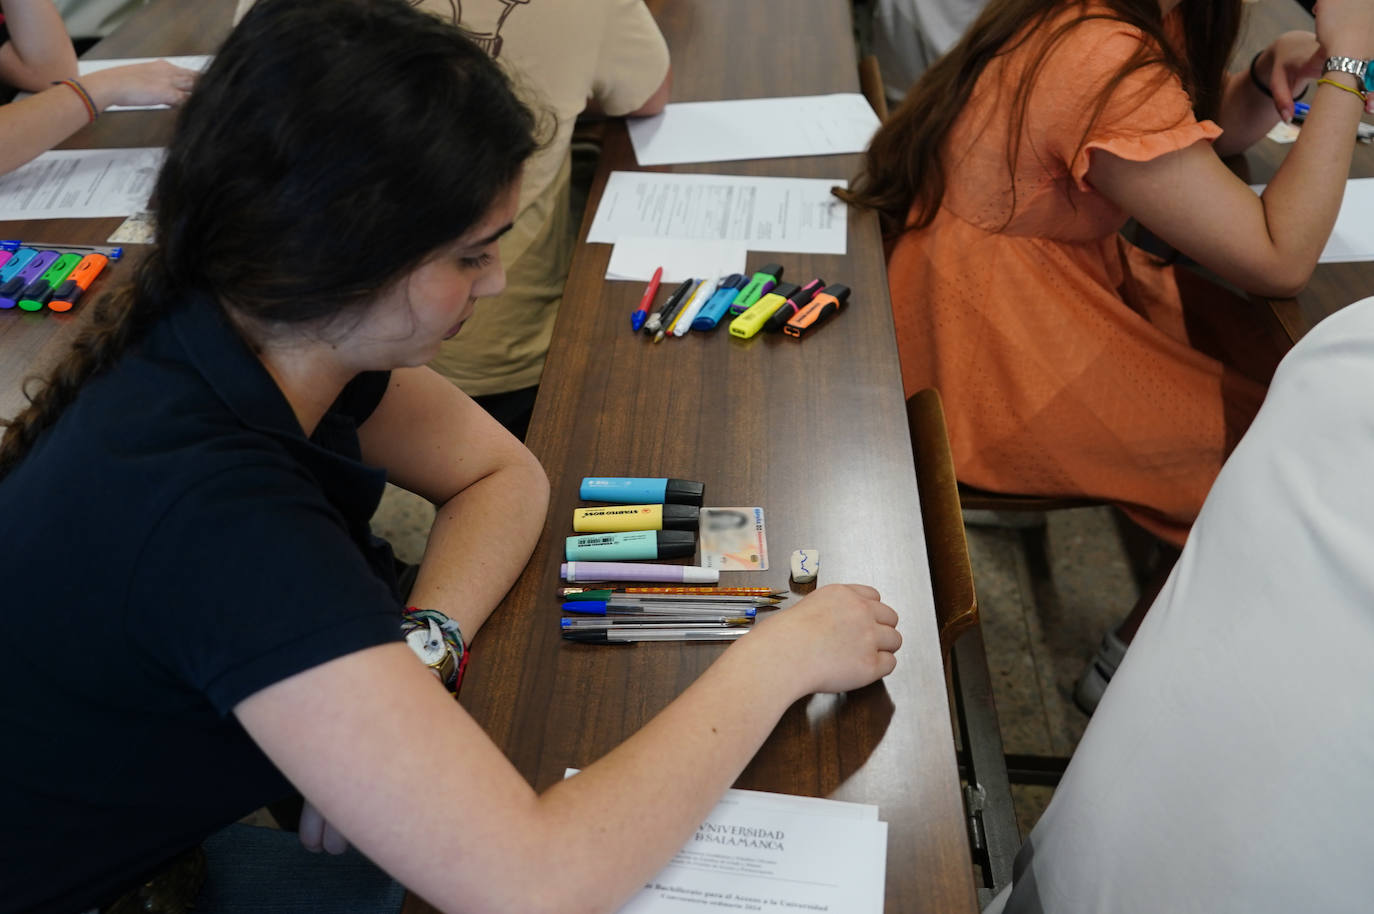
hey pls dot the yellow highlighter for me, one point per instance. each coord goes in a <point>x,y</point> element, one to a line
<point>622,518</point>
<point>757,314</point>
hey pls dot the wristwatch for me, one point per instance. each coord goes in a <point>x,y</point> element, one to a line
<point>1360,69</point>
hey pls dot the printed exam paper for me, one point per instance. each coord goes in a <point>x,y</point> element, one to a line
<point>789,215</point>
<point>81,183</point>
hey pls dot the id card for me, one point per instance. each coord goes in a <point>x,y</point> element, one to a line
<point>732,539</point>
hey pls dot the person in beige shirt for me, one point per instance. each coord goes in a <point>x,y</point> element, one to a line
<point>602,56</point>
<point>596,56</point>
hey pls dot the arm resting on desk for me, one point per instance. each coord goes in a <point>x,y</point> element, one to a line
<point>387,756</point>
<point>490,492</point>
<point>39,50</point>
<point>1267,245</point>
<point>34,125</point>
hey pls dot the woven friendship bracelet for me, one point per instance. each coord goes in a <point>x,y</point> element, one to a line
<point>82,94</point>
<point>436,640</point>
<point>1331,82</point>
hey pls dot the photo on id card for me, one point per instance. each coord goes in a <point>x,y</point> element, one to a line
<point>732,539</point>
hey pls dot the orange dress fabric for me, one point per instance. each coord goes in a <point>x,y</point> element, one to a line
<point>1060,350</point>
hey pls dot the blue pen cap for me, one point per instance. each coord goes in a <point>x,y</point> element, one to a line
<point>631,490</point>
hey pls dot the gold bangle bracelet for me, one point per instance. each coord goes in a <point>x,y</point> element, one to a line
<point>1331,82</point>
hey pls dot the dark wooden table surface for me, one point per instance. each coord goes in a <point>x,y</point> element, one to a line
<point>31,342</point>
<point>813,430</point>
<point>1333,285</point>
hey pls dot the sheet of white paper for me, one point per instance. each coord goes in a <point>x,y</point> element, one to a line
<point>792,215</point>
<point>810,806</point>
<point>81,183</point>
<point>637,258</point>
<point>816,125</point>
<point>755,857</point>
<point>1352,238</point>
<point>197,62</point>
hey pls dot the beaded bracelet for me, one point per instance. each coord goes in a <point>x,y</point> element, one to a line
<point>82,94</point>
<point>1332,82</point>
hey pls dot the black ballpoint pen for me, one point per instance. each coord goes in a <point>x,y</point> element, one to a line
<point>655,321</point>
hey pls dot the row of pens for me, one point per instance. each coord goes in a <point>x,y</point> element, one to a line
<point>759,302</point>
<point>34,277</point>
<point>628,614</point>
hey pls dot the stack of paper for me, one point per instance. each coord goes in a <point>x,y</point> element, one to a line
<point>773,852</point>
<point>816,125</point>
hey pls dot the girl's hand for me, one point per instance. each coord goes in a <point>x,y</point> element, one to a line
<point>839,638</point>
<point>1288,66</point>
<point>154,83</point>
<point>318,835</point>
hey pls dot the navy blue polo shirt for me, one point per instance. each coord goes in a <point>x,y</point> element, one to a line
<point>173,544</point>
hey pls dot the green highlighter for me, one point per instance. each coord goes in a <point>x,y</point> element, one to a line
<point>760,285</point>
<point>37,293</point>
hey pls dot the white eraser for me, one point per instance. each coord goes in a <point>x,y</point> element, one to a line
<point>805,564</point>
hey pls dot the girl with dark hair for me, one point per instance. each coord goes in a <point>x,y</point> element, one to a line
<point>203,623</point>
<point>1070,361</point>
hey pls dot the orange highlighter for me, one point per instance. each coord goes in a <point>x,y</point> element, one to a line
<point>78,281</point>
<point>828,301</point>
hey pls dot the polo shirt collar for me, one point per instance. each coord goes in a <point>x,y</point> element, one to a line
<point>224,360</point>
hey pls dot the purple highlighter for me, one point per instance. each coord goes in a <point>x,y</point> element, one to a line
<point>9,292</point>
<point>582,572</point>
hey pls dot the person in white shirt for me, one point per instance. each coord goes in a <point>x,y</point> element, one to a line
<point>1228,766</point>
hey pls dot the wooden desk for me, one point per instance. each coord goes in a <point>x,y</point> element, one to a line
<point>814,431</point>
<point>31,343</point>
<point>1333,285</point>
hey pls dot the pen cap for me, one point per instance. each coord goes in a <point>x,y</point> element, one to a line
<point>772,269</point>
<point>630,490</point>
<point>838,291</point>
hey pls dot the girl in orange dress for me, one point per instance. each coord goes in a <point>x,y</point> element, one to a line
<point>1069,361</point>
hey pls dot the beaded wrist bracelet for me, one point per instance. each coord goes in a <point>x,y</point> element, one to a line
<point>82,94</point>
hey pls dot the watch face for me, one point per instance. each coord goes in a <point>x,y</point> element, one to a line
<point>1369,78</point>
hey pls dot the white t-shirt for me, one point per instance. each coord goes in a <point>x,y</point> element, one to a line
<point>909,35</point>
<point>1230,766</point>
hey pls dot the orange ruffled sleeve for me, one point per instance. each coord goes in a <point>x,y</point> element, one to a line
<point>1147,115</point>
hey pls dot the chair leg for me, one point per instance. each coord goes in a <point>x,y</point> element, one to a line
<point>993,833</point>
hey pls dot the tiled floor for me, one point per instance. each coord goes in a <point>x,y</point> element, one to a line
<point>1047,596</point>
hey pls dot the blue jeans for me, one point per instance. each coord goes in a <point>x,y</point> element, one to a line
<point>265,871</point>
